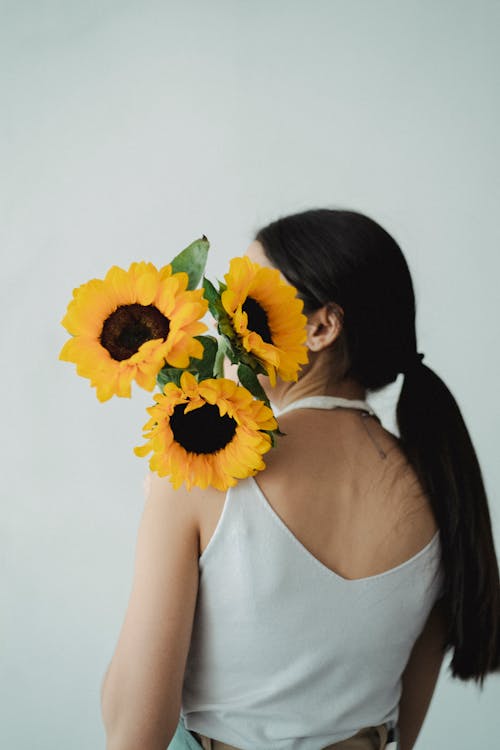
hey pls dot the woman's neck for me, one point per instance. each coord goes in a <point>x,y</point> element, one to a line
<point>317,383</point>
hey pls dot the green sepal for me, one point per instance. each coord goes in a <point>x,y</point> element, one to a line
<point>225,327</point>
<point>192,260</point>
<point>274,434</point>
<point>238,355</point>
<point>251,361</point>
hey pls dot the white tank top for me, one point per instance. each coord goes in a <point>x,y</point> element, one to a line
<point>285,653</point>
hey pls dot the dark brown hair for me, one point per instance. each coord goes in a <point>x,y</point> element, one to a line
<point>345,257</point>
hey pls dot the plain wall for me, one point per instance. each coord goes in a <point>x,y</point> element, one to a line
<point>128,130</point>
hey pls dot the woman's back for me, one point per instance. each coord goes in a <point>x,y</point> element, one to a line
<point>357,512</point>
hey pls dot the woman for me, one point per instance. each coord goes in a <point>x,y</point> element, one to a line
<point>311,606</point>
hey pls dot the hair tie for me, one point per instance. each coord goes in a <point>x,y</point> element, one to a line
<point>413,361</point>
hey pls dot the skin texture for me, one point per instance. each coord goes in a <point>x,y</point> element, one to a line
<point>375,518</point>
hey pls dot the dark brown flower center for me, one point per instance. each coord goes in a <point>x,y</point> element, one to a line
<point>202,430</point>
<point>257,319</point>
<point>129,326</point>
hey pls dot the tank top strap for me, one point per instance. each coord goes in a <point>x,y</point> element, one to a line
<point>328,402</point>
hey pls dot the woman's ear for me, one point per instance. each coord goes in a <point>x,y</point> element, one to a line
<point>323,327</point>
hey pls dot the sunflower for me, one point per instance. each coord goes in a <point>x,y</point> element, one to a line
<point>125,326</point>
<point>267,317</point>
<point>211,432</point>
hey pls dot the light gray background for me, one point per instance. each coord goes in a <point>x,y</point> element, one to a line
<point>128,130</point>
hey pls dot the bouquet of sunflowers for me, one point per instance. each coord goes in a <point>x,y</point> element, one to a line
<point>145,324</point>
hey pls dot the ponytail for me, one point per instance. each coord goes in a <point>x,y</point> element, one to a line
<point>437,443</point>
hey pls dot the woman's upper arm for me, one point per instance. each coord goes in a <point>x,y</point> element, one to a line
<point>141,692</point>
<point>420,676</point>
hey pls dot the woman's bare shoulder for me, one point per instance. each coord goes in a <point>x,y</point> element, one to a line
<point>201,506</point>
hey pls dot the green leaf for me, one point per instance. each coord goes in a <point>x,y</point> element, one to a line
<point>205,366</point>
<point>169,375</point>
<point>229,351</point>
<point>192,260</point>
<point>219,361</point>
<point>248,379</point>
<point>210,292</point>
